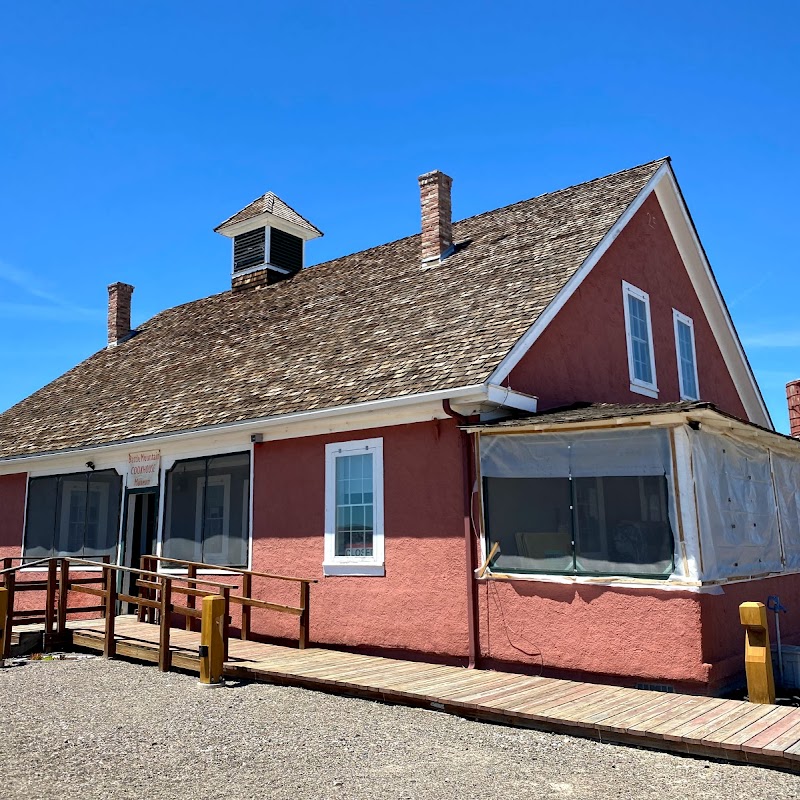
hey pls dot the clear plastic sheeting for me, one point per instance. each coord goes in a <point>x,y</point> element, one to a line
<point>737,509</point>
<point>643,451</point>
<point>786,475</point>
<point>583,503</point>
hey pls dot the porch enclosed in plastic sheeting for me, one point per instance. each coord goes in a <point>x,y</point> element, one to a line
<point>670,504</point>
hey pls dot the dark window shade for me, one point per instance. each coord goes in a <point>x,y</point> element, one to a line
<point>249,249</point>
<point>73,515</point>
<point>596,526</point>
<point>208,510</point>
<point>285,250</point>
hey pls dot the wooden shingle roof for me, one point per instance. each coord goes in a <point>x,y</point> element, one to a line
<point>368,326</point>
<point>269,203</point>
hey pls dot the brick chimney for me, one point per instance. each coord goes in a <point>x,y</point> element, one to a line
<point>793,398</point>
<point>437,222</point>
<point>119,313</point>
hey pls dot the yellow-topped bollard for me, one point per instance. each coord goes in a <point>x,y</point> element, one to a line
<point>757,654</point>
<point>212,644</point>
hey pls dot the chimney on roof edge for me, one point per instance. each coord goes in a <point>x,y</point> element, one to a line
<point>793,399</point>
<point>119,313</point>
<point>437,216</point>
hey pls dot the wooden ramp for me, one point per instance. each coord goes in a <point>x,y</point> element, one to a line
<point>723,729</point>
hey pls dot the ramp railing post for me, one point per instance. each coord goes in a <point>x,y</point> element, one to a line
<point>225,591</point>
<point>50,603</point>
<point>165,613</point>
<point>247,593</point>
<point>8,621</point>
<point>5,630</point>
<point>757,654</point>
<point>110,586</point>
<point>305,595</point>
<point>63,598</point>
<point>212,639</point>
<point>191,600</point>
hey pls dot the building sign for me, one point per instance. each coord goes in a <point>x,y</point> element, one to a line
<point>143,469</point>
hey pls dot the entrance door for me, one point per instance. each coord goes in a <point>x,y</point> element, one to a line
<point>140,533</point>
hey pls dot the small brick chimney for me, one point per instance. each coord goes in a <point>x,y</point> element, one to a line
<point>119,312</point>
<point>793,398</point>
<point>437,222</point>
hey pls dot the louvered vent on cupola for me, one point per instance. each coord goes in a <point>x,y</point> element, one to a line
<point>268,242</point>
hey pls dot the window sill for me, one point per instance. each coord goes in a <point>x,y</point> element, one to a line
<point>668,583</point>
<point>647,391</point>
<point>353,569</point>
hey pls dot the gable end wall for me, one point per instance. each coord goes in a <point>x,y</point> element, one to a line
<point>582,354</point>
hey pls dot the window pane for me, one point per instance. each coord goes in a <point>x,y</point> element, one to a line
<point>40,521</point>
<point>103,507</point>
<point>71,515</point>
<point>640,339</point>
<point>227,523</point>
<point>182,527</point>
<point>686,360</point>
<point>622,526</point>
<point>530,518</point>
<point>354,505</point>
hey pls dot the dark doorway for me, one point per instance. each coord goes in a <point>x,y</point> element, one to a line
<point>141,524</point>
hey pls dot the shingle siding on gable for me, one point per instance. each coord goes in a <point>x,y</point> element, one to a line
<point>582,355</point>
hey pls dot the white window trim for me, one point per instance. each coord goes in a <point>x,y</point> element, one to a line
<point>677,318</point>
<point>639,386</point>
<point>354,565</point>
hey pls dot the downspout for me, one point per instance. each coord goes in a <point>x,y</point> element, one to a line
<point>469,548</point>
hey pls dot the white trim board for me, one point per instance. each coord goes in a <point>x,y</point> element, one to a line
<point>705,285</point>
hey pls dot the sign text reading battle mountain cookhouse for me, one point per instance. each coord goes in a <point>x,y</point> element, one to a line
<point>143,469</point>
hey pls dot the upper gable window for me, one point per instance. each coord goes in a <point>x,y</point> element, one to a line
<point>639,333</point>
<point>687,358</point>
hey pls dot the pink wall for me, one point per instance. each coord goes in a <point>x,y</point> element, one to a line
<point>12,514</point>
<point>623,635</point>
<point>582,355</point>
<point>420,604</point>
<point>723,635</point>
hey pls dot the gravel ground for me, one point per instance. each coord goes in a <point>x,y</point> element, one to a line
<point>110,729</point>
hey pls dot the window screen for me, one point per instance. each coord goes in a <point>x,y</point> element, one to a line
<point>73,515</point>
<point>640,339</point>
<point>686,360</point>
<point>208,510</point>
<point>354,505</point>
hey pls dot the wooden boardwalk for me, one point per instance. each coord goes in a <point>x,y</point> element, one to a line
<point>722,729</point>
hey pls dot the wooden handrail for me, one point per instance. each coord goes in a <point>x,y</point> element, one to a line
<point>150,573</point>
<point>235,570</point>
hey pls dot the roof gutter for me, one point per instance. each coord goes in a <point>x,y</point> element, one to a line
<point>468,399</point>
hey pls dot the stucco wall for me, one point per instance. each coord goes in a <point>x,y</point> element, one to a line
<point>577,631</point>
<point>420,604</point>
<point>12,513</point>
<point>582,354</point>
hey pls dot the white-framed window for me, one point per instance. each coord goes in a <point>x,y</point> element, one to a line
<point>687,357</point>
<point>354,508</point>
<point>639,334</point>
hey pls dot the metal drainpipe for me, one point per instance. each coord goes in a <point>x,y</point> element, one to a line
<point>468,544</point>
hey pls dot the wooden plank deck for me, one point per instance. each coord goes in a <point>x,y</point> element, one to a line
<point>723,729</point>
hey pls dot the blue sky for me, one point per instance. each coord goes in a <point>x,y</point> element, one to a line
<point>129,130</point>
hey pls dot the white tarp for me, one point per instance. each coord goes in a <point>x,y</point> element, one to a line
<point>736,507</point>
<point>786,472</point>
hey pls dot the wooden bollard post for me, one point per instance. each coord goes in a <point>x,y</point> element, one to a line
<point>212,648</point>
<point>5,631</point>
<point>757,654</point>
